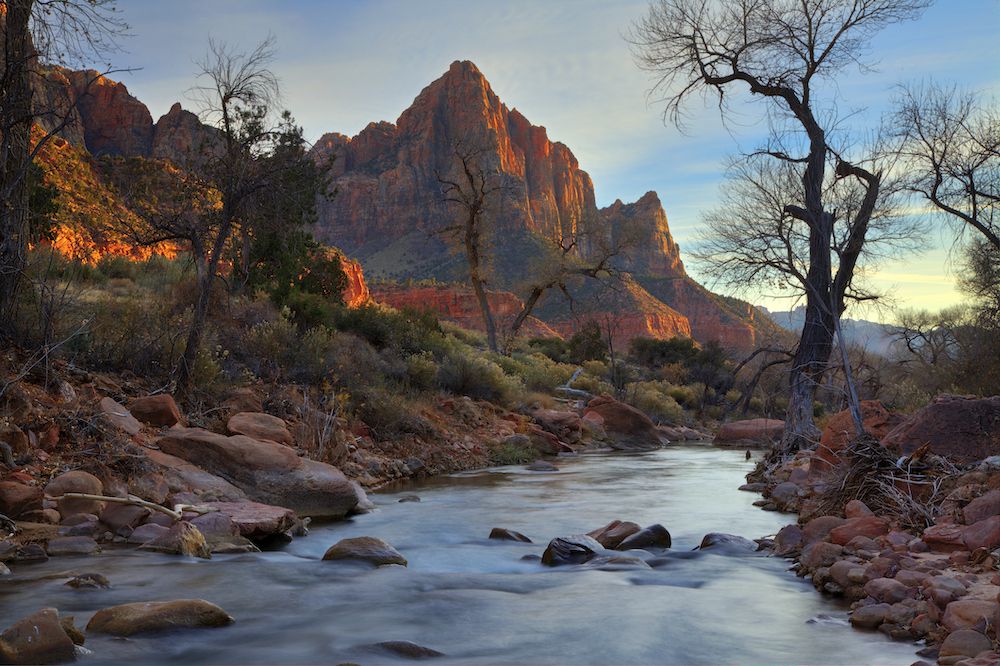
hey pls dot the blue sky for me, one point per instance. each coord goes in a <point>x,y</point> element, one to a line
<point>565,65</point>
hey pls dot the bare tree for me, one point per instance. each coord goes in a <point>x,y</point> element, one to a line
<point>950,147</point>
<point>224,190</point>
<point>780,51</point>
<point>474,189</point>
<point>34,34</point>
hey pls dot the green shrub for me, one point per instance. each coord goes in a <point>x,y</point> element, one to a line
<point>471,374</point>
<point>655,400</point>
<point>656,353</point>
<point>118,267</point>
<point>510,453</point>
<point>421,371</point>
<point>556,349</point>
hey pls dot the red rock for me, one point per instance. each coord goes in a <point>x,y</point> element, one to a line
<point>254,520</point>
<point>114,122</point>
<point>151,616</point>
<point>629,428</point>
<point>612,534</point>
<point>751,430</point>
<point>870,617</point>
<point>119,417</point>
<point>356,293</point>
<point>819,528</point>
<point>788,540</point>
<point>179,136</point>
<point>18,498</point>
<point>388,193</point>
<point>260,426</point>
<point>839,430</point>
<point>984,534</point>
<point>967,613</point>
<point>458,304</point>
<point>267,472</point>
<point>37,639</point>
<point>183,477</point>
<point>857,509</point>
<point>944,537</point>
<point>820,554</point>
<point>76,481</point>
<point>965,643</point>
<point>118,516</point>
<point>959,428</point>
<point>983,507</point>
<point>869,526</point>
<point>156,410</point>
<point>564,425</point>
<point>887,590</point>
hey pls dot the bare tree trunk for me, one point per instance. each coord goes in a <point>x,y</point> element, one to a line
<point>478,284</point>
<point>15,151</point>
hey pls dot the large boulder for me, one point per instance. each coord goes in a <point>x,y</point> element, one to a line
<point>260,426</point>
<point>750,431</point>
<point>628,428</point>
<point>267,472</point>
<point>839,431</point>
<point>613,533</point>
<point>17,498</point>
<point>76,481</point>
<point>156,410</point>
<point>365,549</point>
<point>252,520</point>
<point>655,536</point>
<point>575,549</point>
<point>181,476</point>
<point>37,639</point>
<point>151,616</point>
<point>983,507</point>
<point>566,426</point>
<point>962,429</point>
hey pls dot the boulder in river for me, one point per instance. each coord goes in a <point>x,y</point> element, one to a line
<point>252,520</point>
<point>654,536</point>
<point>72,545</point>
<point>37,639</point>
<point>181,539</point>
<point>628,428</point>
<point>267,472</point>
<point>575,549</point>
<point>404,649</point>
<point>730,542</point>
<point>503,534</point>
<point>365,549</point>
<point>89,581</point>
<point>151,616</point>
<point>613,533</point>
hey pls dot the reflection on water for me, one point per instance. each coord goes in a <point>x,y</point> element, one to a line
<point>476,600</point>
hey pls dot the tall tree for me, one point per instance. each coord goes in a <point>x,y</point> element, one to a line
<point>34,34</point>
<point>781,51</point>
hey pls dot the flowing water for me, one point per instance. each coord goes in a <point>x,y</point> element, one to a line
<point>475,599</point>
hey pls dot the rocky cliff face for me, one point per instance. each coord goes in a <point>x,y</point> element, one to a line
<point>356,292</point>
<point>388,194</point>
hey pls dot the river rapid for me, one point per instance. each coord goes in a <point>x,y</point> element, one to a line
<point>475,599</point>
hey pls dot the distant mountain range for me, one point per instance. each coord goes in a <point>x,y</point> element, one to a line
<point>873,336</point>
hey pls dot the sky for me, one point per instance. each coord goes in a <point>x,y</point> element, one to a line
<point>564,64</point>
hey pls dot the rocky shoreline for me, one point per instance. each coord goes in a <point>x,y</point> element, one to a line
<point>922,563</point>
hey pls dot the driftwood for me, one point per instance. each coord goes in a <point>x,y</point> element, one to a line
<point>567,388</point>
<point>176,513</point>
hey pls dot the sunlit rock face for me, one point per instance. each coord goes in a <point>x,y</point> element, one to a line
<point>388,204</point>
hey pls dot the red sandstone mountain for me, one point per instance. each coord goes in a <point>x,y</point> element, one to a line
<point>388,204</point>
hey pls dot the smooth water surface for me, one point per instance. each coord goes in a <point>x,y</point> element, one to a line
<point>475,599</point>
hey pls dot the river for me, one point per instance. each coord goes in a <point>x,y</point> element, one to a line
<point>475,599</point>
